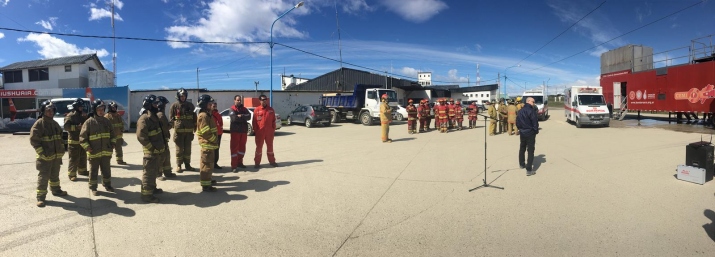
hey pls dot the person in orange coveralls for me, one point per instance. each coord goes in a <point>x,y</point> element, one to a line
<point>264,126</point>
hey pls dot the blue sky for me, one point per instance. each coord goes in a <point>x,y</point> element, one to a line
<point>402,37</point>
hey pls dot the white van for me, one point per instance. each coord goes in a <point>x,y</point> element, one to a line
<point>540,101</point>
<point>585,105</point>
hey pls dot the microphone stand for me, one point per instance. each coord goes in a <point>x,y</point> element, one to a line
<point>485,184</point>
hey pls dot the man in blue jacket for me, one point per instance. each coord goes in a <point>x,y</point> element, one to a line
<point>527,123</point>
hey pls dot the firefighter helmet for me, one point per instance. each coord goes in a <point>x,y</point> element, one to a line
<point>113,107</point>
<point>149,101</point>
<point>181,92</point>
<point>47,104</point>
<point>78,103</point>
<point>204,101</point>
<point>97,104</point>
<point>162,102</point>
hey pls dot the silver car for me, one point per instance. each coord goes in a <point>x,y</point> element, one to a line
<point>310,115</point>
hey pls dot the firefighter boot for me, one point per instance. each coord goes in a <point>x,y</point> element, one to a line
<point>58,192</point>
<point>188,166</point>
<point>168,174</point>
<point>178,169</point>
<point>158,191</point>
<point>108,187</point>
<point>121,162</point>
<point>41,201</point>
<point>94,190</point>
<point>150,199</point>
<point>208,189</point>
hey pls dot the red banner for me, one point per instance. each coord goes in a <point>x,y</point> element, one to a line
<point>26,93</point>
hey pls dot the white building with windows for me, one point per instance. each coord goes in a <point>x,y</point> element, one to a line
<point>80,71</point>
<point>424,78</point>
<point>288,81</point>
<point>478,94</point>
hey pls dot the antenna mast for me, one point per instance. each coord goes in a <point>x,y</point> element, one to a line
<point>114,49</point>
<point>340,48</point>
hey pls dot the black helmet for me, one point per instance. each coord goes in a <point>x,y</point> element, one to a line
<point>148,101</point>
<point>47,104</point>
<point>181,91</point>
<point>113,106</point>
<point>96,104</point>
<point>162,102</point>
<point>204,100</point>
<point>78,103</point>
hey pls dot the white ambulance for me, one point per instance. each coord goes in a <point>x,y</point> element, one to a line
<point>540,102</point>
<point>585,105</point>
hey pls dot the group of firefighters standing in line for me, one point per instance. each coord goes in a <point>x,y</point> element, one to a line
<point>94,135</point>
<point>450,115</point>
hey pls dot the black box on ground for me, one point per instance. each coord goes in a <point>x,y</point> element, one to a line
<point>701,154</point>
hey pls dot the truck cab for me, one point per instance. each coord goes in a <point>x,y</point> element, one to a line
<point>586,105</point>
<point>363,105</point>
<point>64,106</point>
<point>540,102</point>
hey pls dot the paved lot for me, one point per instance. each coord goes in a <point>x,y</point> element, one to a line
<point>340,191</point>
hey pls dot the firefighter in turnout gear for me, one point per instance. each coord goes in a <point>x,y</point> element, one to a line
<point>519,105</point>
<point>77,155</point>
<point>502,115</point>
<point>442,110</point>
<point>458,115</point>
<point>411,117</point>
<point>450,112</point>
<point>97,138</point>
<point>423,113</point>
<point>435,110</point>
<point>118,126</point>
<point>493,116</point>
<point>208,139</point>
<point>165,169</point>
<point>472,115</point>
<point>153,141</point>
<point>428,114</point>
<point>183,120</point>
<point>46,138</point>
<point>385,119</point>
<point>511,118</point>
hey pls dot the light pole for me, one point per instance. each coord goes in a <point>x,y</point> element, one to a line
<point>518,65</point>
<point>547,88</point>
<point>256,87</point>
<point>271,45</point>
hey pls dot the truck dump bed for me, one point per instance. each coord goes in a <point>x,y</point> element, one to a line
<point>354,100</point>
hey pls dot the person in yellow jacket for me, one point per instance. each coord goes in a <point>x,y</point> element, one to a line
<point>502,115</point>
<point>77,156</point>
<point>511,118</point>
<point>97,138</point>
<point>385,119</point>
<point>519,105</point>
<point>154,144</point>
<point>46,138</point>
<point>208,140</point>
<point>493,116</point>
<point>118,126</point>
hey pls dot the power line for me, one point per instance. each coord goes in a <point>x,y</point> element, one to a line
<point>648,24</point>
<point>567,29</point>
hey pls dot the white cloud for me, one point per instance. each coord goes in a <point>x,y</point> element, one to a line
<point>598,28</point>
<point>118,4</point>
<point>98,14</point>
<point>415,10</point>
<point>48,24</point>
<point>478,47</point>
<point>640,14</point>
<point>2,35</point>
<point>410,72</point>
<point>164,87</point>
<point>52,47</point>
<point>452,76</point>
<point>240,21</point>
<point>356,6</point>
<point>598,51</point>
<point>5,3</point>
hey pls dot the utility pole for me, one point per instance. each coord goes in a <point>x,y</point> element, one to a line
<point>114,49</point>
<point>197,83</point>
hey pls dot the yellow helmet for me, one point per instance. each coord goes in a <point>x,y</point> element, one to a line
<point>518,98</point>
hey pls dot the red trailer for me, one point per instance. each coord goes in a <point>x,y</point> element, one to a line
<point>683,88</point>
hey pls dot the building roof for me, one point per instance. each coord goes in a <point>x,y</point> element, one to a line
<point>348,78</point>
<point>53,62</point>
<point>475,88</point>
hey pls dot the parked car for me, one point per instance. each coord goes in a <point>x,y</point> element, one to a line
<point>400,114</point>
<point>310,115</point>
<point>227,120</point>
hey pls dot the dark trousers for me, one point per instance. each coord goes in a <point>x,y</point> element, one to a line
<point>216,151</point>
<point>527,143</point>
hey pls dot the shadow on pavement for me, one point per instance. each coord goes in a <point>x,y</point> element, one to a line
<point>99,207</point>
<point>403,139</point>
<point>119,182</point>
<point>128,167</point>
<point>283,133</point>
<point>710,227</point>
<point>288,164</point>
<point>538,160</point>
<point>257,185</point>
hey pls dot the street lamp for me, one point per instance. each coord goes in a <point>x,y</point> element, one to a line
<point>271,45</point>
<point>518,65</point>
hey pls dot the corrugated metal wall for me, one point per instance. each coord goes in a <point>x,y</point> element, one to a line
<point>350,77</point>
<point>631,57</point>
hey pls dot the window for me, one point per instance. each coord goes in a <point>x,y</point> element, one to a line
<point>487,95</point>
<point>12,76</point>
<point>68,68</point>
<point>371,95</point>
<point>482,95</point>
<point>39,74</point>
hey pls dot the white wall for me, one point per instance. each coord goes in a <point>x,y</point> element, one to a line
<point>478,96</point>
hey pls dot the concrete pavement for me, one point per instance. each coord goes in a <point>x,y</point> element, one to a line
<point>341,191</point>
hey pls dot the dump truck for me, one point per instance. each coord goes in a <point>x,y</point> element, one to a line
<point>362,105</point>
